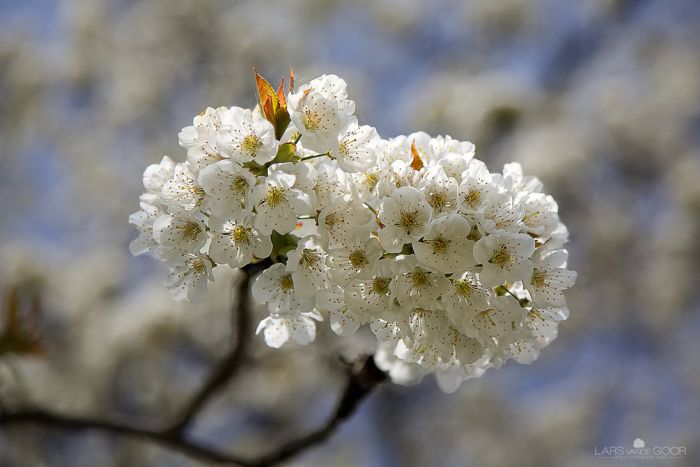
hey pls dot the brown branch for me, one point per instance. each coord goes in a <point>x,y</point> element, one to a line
<point>363,378</point>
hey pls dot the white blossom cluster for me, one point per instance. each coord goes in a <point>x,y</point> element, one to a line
<point>454,268</point>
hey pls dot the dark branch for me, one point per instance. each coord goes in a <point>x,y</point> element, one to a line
<point>363,378</point>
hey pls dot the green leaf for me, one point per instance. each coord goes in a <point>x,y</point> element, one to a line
<point>287,152</point>
<point>282,244</point>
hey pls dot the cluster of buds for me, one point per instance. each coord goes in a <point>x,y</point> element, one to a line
<point>455,269</point>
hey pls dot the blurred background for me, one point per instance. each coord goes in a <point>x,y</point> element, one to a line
<point>599,98</point>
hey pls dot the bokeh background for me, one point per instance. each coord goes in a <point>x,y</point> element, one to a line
<point>599,98</point>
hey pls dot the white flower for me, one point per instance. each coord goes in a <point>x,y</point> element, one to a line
<point>446,247</point>
<point>417,286</point>
<point>307,263</point>
<point>278,204</point>
<point>400,372</point>
<point>464,295</point>
<point>446,147</point>
<point>514,180</point>
<point>344,321</point>
<point>500,322</point>
<point>157,175</point>
<point>440,191</point>
<point>143,220</point>
<point>275,287</point>
<point>542,323</point>
<point>321,110</point>
<point>540,215</point>
<point>501,213</point>
<point>354,259</point>
<point>505,257</point>
<point>181,231</point>
<point>342,221</point>
<point>188,277</point>
<point>227,186</point>
<point>279,329</point>
<point>183,191</point>
<point>237,242</point>
<point>373,295</point>
<point>550,278</point>
<point>476,187</point>
<point>200,139</point>
<point>355,149</point>
<point>247,136</point>
<point>405,215</point>
<point>332,184</point>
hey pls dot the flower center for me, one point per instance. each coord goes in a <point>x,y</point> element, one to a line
<point>343,148</point>
<point>358,259</point>
<point>408,220</point>
<point>239,184</point>
<point>251,144</point>
<point>437,201</point>
<point>464,288</point>
<point>311,120</point>
<point>439,244</point>
<point>198,265</point>
<point>309,257</point>
<point>198,191</point>
<point>539,278</point>
<point>190,230</point>
<point>275,196</point>
<point>286,282</point>
<point>501,257</point>
<point>331,220</point>
<point>473,198</point>
<point>380,285</point>
<point>240,235</point>
<point>419,278</point>
<point>370,180</point>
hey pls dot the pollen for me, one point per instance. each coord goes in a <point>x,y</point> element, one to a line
<point>240,235</point>
<point>419,278</point>
<point>198,191</point>
<point>251,144</point>
<point>380,285</point>
<point>286,282</point>
<point>437,201</point>
<point>501,257</point>
<point>343,148</point>
<point>275,196</point>
<point>198,265</point>
<point>539,278</point>
<point>408,220</point>
<point>331,220</point>
<point>439,244</point>
<point>370,180</point>
<point>311,120</point>
<point>239,184</point>
<point>358,259</point>
<point>309,257</point>
<point>464,288</point>
<point>473,198</point>
<point>190,230</point>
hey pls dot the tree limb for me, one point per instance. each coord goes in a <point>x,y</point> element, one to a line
<point>363,377</point>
